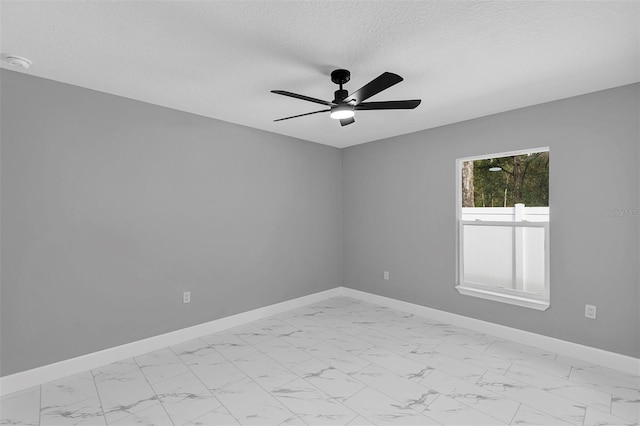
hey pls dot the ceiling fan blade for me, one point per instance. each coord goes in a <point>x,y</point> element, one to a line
<point>377,85</point>
<point>303,97</point>
<point>302,115</point>
<point>346,121</point>
<point>389,105</point>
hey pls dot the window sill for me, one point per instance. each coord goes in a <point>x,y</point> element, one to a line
<point>523,301</point>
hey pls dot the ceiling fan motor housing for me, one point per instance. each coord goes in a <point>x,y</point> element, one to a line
<point>340,95</point>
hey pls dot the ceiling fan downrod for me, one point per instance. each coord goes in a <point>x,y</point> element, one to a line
<point>340,77</point>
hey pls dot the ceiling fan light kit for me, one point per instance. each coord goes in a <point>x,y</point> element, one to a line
<point>343,106</point>
<point>342,111</point>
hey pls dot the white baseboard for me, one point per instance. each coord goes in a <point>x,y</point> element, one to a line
<point>27,379</point>
<point>47,373</point>
<point>585,353</point>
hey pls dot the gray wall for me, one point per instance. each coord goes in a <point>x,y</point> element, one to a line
<point>399,215</point>
<point>111,208</point>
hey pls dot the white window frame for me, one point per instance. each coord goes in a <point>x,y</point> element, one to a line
<point>514,297</point>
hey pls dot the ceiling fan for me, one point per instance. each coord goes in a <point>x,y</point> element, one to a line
<point>343,107</point>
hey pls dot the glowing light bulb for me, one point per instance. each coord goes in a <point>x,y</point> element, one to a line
<point>342,111</point>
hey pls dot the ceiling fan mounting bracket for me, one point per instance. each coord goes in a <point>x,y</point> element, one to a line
<point>340,77</point>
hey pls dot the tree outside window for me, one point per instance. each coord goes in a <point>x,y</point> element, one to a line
<point>506,181</point>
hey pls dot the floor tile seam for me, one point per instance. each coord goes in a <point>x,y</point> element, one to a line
<point>223,355</point>
<point>101,410</point>
<point>527,353</point>
<point>287,367</point>
<point>575,385</point>
<point>152,390</point>
<point>95,385</point>
<point>345,373</point>
<point>249,378</point>
<point>55,413</point>
<point>478,410</point>
<point>274,335</point>
<point>340,370</point>
<point>328,341</point>
<point>40,405</point>
<point>229,360</point>
<point>356,372</point>
<point>206,346</point>
<point>353,420</point>
<point>621,383</point>
<point>613,392</point>
<point>476,364</point>
<point>524,404</point>
<point>433,368</point>
<point>353,409</point>
<point>631,379</point>
<point>297,417</point>
<point>627,419</point>
<point>403,402</point>
<point>211,411</point>
<point>204,385</point>
<point>318,359</point>
<point>486,413</point>
<point>398,401</point>
<point>533,367</point>
<point>329,397</point>
<point>396,374</point>
<point>399,338</point>
<point>173,376</point>
<point>482,352</point>
<point>19,393</point>
<point>435,349</point>
<point>377,330</point>
<point>106,365</point>
<point>419,383</point>
<point>141,412</point>
<point>543,371</point>
<point>252,344</point>
<point>272,396</point>
<point>508,359</point>
<point>268,356</point>
<point>543,410</point>
<point>515,414</point>
<point>610,413</point>
<point>321,341</point>
<point>502,396</point>
<point>75,402</point>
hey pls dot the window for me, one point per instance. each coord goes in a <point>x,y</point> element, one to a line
<point>503,227</point>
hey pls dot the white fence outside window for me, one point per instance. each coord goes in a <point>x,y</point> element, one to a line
<point>505,248</point>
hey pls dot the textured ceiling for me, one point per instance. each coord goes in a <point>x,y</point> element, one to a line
<point>221,58</point>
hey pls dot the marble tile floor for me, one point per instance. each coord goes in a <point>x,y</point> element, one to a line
<point>338,362</point>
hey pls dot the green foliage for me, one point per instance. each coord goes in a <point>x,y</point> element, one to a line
<point>523,179</point>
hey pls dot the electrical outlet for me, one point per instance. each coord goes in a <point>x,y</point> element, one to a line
<point>386,275</point>
<point>186,297</point>
<point>590,311</point>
